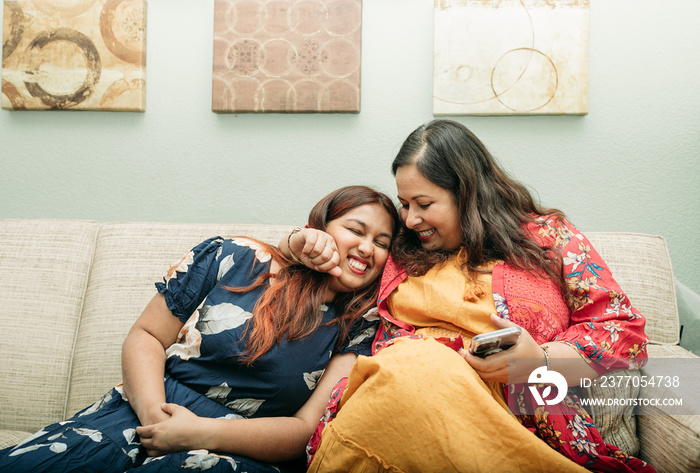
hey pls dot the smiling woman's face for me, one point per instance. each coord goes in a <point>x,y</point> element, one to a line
<point>363,237</point>
<point>428,209</point>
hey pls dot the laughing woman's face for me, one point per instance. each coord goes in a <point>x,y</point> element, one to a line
<point>428,209</point>
<point>363,237</point>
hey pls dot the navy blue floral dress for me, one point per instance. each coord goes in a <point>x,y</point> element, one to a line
<point>202,373</point>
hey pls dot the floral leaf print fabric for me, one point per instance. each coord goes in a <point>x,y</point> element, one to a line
<point>189,340</point>
<point>605,327</point>
<point>205,461</point>
<point>99,404</point>
<point>180,267</point>
<point>567,428</point>
<point>246,407</point>
<point>221,317</point>
<point>188,282</point>
<point>311,379</point>
<point>226,264</point>
<point>260,253</point>
<point>55,447</point>
<point>364,335</point>
<point>206,355</point>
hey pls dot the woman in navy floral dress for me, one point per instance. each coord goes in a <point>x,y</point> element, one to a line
<point>230,365</point>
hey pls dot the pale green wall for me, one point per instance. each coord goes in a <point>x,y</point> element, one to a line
<point>631,164</point>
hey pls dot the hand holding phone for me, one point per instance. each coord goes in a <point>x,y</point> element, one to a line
<point>489,343</point>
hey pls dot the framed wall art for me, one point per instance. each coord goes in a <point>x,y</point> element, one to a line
<point>511,57</point>
<point>74,55</point>
<point>287,56</point>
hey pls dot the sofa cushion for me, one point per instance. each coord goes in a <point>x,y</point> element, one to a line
<point>670,443</point>
<point>641,265</point>
<point>129,259</point>
<point>9,438</point>
<point>655,428</point>
<point>45,267</point>
<point>616,423</point>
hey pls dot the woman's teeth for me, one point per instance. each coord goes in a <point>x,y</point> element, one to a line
<point>357,265</point>
<point>426,233</point>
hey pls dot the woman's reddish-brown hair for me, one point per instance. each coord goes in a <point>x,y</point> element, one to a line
<point>291,306</point>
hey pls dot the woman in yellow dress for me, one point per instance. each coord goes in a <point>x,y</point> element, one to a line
<point>477,254</point>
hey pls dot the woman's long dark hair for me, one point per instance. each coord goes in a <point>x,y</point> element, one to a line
<point>493,207</point>
<point>290,307</point>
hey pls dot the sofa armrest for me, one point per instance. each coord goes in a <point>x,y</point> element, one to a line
<point>669,442</point>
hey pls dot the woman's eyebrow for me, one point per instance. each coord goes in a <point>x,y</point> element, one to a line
<point>425,196</point>
<point>364,226</point>
<point>359,222</point>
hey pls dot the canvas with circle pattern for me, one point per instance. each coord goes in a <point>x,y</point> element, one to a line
<point>287,56</point>
<point>74,55</point>
<point>511,57</point>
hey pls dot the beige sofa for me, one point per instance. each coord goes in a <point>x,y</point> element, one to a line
<point>70,290</point>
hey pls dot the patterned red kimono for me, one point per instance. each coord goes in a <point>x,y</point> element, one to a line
<point>597,319</point>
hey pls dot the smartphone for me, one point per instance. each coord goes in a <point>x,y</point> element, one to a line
<point>489,343</point>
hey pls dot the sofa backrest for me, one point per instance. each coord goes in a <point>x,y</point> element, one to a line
<point>70,291</point>
<point>44,267</point>
<point>129,259</point>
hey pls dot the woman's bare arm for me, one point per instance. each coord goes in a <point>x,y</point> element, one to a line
<point>270,439</point>
<point>143,359</point>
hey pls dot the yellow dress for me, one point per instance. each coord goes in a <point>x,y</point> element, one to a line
<point>417,405</point>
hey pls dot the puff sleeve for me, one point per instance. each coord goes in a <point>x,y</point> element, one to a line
<point>187,282</point>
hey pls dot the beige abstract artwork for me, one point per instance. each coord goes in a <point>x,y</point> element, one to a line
<point>511,57</point>
<point>287,56</point>
<point>74,55</point>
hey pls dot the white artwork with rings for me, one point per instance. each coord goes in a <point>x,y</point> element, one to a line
<point>511,57</point>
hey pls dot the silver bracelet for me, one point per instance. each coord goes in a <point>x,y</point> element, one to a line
<point>545,349</point>
<point>295,258</point>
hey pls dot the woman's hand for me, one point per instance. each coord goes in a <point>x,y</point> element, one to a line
<point>316,249</point>
<point>515,365</point>
<point>174,434</point>
<point>510,366</point>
